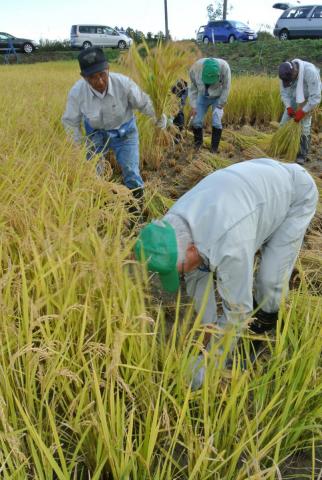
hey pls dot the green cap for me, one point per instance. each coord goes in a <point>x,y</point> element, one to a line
<point>157,244</point>
<point>210,71</point>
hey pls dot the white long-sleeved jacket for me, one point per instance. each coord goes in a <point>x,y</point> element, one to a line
<point>311,87</point>
<point>108,111</point>
<point>231,214</point>
<point>197,87</point>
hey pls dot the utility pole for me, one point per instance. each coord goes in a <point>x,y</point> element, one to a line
<point>166,20</point>
<point>224,15</point>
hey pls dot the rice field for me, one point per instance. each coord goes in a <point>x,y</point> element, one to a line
<point>94,365</point>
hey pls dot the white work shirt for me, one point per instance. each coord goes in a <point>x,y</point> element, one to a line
<point>197,87</point>
<point>231,213</point>
<point>311,87</point>
<point>108,111</point>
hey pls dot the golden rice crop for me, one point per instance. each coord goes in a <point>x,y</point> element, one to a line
<point>94,361</point>
<point>286,141</point>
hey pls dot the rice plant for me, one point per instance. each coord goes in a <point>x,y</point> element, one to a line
<point>286,141</point>
<point>95,360</point>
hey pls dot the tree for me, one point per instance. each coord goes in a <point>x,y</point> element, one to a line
<point>215,10</point>
<point>218,10</point>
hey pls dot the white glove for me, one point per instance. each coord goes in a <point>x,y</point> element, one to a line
<point>162,122</point>
<point>218,114</point>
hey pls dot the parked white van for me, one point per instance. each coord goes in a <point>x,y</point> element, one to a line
<point>85,36</point>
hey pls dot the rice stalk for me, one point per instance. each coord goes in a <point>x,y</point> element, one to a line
<point>286,141</point>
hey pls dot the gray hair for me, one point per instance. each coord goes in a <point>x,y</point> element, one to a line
<point>183,234</point>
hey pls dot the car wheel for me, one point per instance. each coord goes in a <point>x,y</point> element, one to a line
<point>206,40</point>
<point>231,39</point>
<point>87,45</point>
<point>28,48</point>
<point>283,35</point>
<point>122,44</point>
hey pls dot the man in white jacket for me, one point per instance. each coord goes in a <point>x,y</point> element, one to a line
<point>104,103</point>
<point>219,225</point>
<point>210,80</point>
<point>301,93</point>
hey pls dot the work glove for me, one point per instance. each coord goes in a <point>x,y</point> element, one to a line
<point>290,112</point>
<point>299,115</point>
<point>162,122</point>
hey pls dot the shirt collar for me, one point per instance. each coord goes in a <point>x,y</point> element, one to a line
<point>95,92</point>
<point>110,88</point>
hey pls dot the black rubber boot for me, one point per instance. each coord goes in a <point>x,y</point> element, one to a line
<point>198,136</point>
<point>262,323</point>
<point>178,121</point>
<point>304,149</point>
<point>215,139</point>
<point>136,208</point>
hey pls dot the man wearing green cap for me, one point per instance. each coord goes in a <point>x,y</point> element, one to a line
<point>218,226</point>
<point>210,84</point>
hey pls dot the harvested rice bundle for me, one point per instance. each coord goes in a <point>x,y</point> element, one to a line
<point>286,141</point>
<point>198,169</point>
<point>156,204</point>
<point>253,152</point>
<point>192,174</point>
<point>250,131</point>
<point>274,125</point>
<point>239,140</point>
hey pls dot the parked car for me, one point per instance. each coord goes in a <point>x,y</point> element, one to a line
<point>85,36</point>
<point>225,31</point>
<point>301,21</point>
<point>21,44</point>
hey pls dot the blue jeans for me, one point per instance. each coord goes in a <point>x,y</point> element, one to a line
<point>203,103</point>
<point>124,142</point>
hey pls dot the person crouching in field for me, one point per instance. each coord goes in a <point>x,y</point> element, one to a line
<point>301,93</point>
<point>104,102</point>
<point>218,227</point>
<point>210,80</point>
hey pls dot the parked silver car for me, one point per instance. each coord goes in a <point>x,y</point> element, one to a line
<point>85,36</point>
<point>303,21</point>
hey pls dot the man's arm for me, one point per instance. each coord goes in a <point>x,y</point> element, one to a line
<point>314,87</point>
<point>200,287</point>
<point>192,89</point>
<point>139,100</point>
<point>285,96</point>
<point>226,85</point>
<point>72,118</point>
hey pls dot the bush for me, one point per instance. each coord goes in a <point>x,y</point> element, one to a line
<point>54,45</point>
<point>265,36</point>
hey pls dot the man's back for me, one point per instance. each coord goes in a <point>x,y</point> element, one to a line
<point>257,193</point>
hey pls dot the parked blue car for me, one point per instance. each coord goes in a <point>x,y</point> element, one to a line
<point>225,31</point>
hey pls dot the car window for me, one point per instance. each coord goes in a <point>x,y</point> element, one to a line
<point>301,12</point>
<point>108,31</point>
<point>3,36</point>
<point>239,24</point>
<point>201,30</point>
<point>219,24</point>
<point>73,30</point>
<point>317,13</point>
<point>87,29</point>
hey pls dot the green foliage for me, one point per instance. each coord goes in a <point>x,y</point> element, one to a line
<point>264,55</point>
<point>54,45</point>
